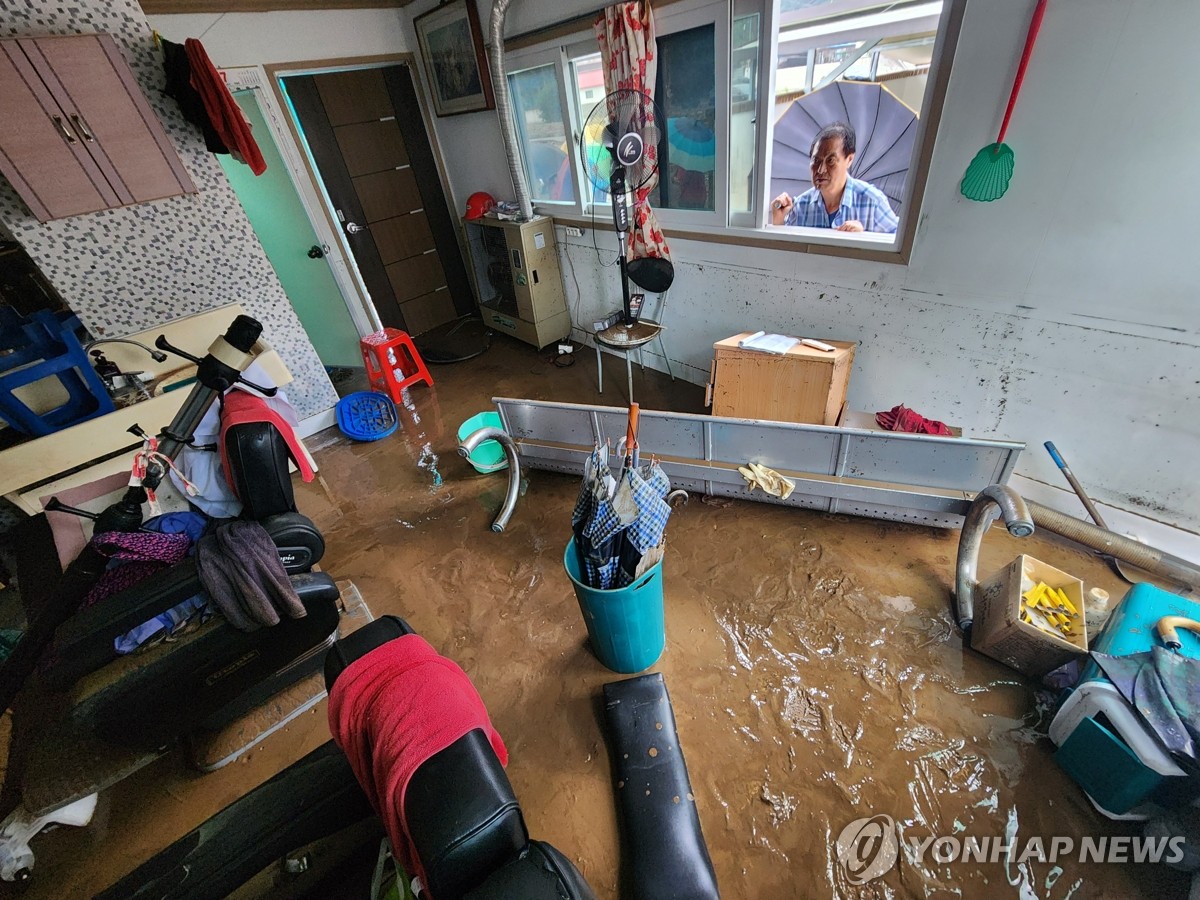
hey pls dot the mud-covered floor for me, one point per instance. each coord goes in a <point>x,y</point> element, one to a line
<point>811,659</point>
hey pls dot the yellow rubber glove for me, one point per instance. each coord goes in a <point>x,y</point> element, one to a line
<point>769,480</point>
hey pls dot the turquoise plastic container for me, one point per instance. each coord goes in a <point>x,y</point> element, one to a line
<point>488,456</point>
<point>1130,628</point>
<point>625,625</point>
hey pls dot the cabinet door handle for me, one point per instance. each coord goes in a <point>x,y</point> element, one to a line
<point>82,128</point>
<point>62,129</point>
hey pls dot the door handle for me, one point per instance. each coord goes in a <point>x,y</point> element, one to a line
<point>62,129</point>
<point>315,252</point>
<point>354,228</point>
<point>81,127</point>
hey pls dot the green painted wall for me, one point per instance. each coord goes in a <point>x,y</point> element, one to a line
<point>278,218</point>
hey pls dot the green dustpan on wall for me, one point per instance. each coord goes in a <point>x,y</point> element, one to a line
<point>991,170</point>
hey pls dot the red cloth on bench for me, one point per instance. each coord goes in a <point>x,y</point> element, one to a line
<point>391,710</point>
<point>901,418</point>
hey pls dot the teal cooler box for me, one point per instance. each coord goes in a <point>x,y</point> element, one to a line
<point>626,625</point>
<point>1103,744</point>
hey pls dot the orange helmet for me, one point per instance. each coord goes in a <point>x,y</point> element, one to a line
<point>478,204</point>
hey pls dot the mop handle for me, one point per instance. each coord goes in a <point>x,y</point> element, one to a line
<point>1074,482</point>
<point>1034,24</point>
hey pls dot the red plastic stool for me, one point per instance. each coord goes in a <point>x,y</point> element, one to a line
<point>392,362</point>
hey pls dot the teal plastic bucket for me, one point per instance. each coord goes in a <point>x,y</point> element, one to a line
<point>488,456</point>
<point>625,625</point>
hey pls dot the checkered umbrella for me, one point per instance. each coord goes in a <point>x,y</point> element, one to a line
<point>619,523</point>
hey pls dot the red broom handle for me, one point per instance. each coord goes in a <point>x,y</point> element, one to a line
<point>1030,38</point>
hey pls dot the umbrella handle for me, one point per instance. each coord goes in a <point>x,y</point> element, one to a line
<point>631,434</point>
<point>1166,629</point>
<point>1034,24</point>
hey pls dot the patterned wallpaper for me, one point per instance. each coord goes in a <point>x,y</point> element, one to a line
<point>126,270</point>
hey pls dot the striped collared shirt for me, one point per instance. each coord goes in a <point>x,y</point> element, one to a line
<point>860,202</point>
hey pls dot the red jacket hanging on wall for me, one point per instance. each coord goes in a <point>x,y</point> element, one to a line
<point>224,113</point>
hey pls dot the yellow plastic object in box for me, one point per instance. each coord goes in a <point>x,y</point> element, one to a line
<point>1000,633</point>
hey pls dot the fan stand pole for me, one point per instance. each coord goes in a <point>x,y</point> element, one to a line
<point>616,187</point>
<point>629,320</point>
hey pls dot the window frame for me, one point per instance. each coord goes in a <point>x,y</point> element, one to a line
<point>766,71</point>
<point>574,39</point>
<point>572,53</point>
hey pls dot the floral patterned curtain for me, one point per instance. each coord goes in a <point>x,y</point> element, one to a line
<point>630,58</point>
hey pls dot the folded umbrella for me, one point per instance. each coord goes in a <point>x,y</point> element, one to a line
<point>648,486</point>
<point>597,522</point>
<point>1164,688</point>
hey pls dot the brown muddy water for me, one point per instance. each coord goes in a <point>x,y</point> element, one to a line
<point>812,662</point>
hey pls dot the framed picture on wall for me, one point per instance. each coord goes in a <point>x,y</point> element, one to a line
<point>455,63</point>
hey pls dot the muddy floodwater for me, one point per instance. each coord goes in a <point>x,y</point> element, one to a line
<point>813,665</point>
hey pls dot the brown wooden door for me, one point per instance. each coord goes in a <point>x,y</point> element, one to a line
<point>368,139</point>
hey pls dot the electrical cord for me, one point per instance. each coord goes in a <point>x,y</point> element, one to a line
<point>575,278</point>
<point>600,259</point>
<point>562,360</point>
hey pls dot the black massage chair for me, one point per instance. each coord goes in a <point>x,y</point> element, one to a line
<point>74,689</point>
<point>463,817</point>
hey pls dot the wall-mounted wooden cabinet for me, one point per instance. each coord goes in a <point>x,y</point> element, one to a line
<point>78,134</point>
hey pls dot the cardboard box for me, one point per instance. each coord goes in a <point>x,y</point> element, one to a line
<point>998,631</point>
<point>803,385</point>
<point>856,418</point>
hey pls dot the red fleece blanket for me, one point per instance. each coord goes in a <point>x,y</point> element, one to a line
<point>393,709</point>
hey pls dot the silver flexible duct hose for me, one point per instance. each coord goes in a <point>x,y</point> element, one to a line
<point>1157,562</point>
<point>504,108</point>
<point>979,518</point>
<point>467,447</point>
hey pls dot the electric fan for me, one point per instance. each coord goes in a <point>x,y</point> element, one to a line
<point>620,155</point>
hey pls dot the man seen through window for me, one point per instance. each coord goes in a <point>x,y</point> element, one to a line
<point>835,200</point>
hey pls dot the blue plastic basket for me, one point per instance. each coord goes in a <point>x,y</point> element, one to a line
<point>366,416</point>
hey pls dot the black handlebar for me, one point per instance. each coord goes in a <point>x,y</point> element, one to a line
<point>212,372</point>
<point>243,333</point>
<point>163,344</point>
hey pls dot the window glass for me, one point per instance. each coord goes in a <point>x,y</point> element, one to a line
<point>686,93</point>
<point>865,67</point>
<point>735,81</point>
<point>542,132</point>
